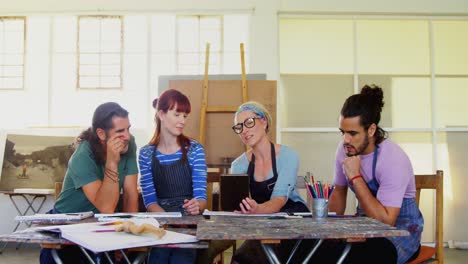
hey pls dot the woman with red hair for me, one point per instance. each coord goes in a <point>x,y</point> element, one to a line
<point>173,170</point>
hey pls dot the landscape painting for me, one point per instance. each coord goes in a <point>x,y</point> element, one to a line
<point>32,161</point>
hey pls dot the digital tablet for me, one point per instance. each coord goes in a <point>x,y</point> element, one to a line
<point>233,188</point>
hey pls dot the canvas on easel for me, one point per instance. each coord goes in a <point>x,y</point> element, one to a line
<point>34,161</point>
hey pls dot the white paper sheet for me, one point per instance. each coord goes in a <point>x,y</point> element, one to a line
<point>86,236</point>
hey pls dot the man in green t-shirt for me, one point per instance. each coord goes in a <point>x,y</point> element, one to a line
<point>103,163</point>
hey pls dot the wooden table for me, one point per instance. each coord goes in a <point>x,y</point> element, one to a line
<point>250,228</point>
<point>272,230</point>
<point>185,224</point>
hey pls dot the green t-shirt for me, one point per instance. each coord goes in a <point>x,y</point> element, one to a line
<point>83,169</point>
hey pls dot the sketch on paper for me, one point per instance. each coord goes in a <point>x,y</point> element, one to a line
<point>31,161</point>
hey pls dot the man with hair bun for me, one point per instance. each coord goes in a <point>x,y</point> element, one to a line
<point>380,174</point>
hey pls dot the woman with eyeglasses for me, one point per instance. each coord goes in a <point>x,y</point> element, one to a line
<point>272,169</point>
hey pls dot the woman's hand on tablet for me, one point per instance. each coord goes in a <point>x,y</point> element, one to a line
<point>248,206</point>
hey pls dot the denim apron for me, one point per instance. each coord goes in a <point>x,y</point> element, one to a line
<point>410,219</point>
<point>261,191</point>
<point>172,182</point>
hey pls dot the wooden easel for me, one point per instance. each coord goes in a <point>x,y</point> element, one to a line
<point>218,109</point>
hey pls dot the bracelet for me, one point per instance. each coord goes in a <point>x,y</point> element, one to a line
<point>354,178</point>
<point>112,179</point>
<point>112,175</point>
<point>112,171</point>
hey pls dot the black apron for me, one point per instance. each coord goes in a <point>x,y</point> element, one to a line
<point>172,182</point>
<point>261,191</point>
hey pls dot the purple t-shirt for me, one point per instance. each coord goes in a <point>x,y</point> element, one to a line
<point>393,172</point>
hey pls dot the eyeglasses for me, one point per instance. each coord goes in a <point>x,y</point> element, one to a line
<point>248,123</point>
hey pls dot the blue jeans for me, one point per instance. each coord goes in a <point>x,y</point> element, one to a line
<point>172,255</point>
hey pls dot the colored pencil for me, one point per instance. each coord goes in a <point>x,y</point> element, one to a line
<point>307,188</point>
<point>317,189</point>
<point>111,223</point>
<point>105,231</point>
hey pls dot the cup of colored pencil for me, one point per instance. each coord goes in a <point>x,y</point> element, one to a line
<point>317,189</point>
<point>319,192</point>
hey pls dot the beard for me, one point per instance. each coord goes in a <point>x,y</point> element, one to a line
<point>125,149</point>
<point>359,150</point>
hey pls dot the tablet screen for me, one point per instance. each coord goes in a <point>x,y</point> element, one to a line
<point>233,188</point>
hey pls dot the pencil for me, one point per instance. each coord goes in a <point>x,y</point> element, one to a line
<point>316,189</point>
<point>314,193</point>
<point>112,223</point>
<point>331,189</point>
<point>105,231</point>
<point>320,189</point>
<point>307,187</point>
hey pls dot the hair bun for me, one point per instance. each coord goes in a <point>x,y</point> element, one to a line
<point>155,103</point>
<point>373,94</point>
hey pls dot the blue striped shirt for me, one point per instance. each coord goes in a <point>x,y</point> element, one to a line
<point>197,162</point>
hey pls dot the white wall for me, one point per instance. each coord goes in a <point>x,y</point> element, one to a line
<point>359,6</point>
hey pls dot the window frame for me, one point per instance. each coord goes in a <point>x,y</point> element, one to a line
<point>121,52</point>
<point>201,50</point>
<point>23,65</point>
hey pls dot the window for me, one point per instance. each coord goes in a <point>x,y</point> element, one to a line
<point>99,51</point>
<point>422,66</point>
<point>193,32</point>
<point>391,53</point>
<point>306,56</point>
<point>12,46</point>
<point>178,44</point>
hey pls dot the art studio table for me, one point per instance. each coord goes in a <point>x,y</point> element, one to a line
<point>270,231</point>
<point>29,196</point>
<point>185,224</point>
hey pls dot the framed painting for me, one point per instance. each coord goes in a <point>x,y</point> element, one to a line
<point>33,161</point>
